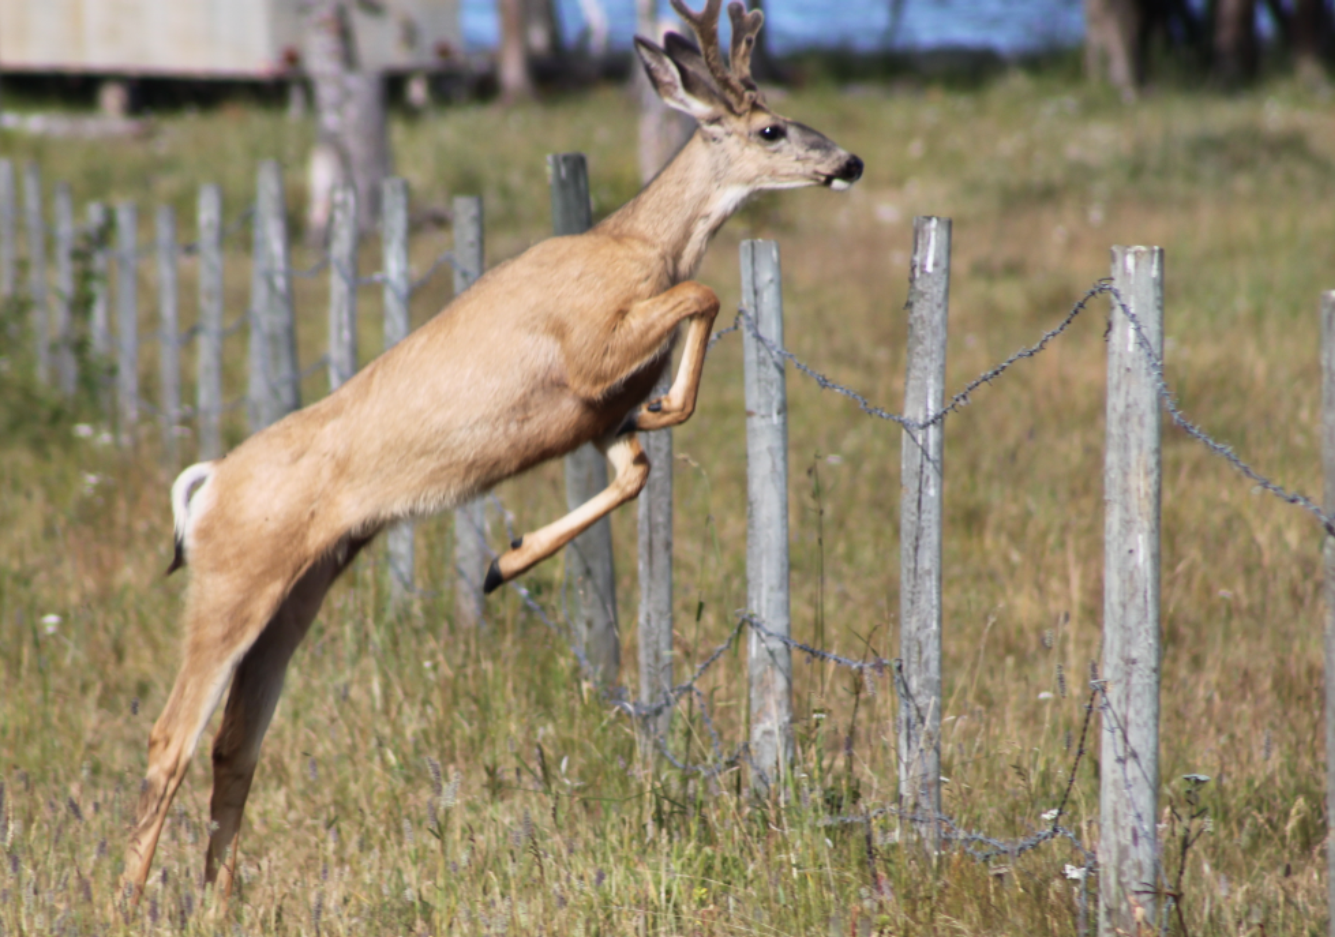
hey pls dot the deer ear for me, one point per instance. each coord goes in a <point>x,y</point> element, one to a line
<point>679,86</point>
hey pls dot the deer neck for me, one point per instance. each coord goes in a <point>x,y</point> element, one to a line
<point>679,211</point>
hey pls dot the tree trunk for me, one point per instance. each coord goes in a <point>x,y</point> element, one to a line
<point>1235,50</point>
<point>1114,48</point>
<point>1311,38</point>
<point>512,64</point>
<point>352,135</point>
<point>542,32</point>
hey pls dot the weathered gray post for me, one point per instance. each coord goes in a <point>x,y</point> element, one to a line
<point>32,207</point>
<point>394,241</point>
<point>208,390</point>
<point>343,287</point>
<point>1328,464</point>
<point>99,315</point>
<point>470,521</point>
<point>280,325</point>
<point>1129,776</point>
<point>590,576</point>
<point>655,570</point>
<point>67,375</point>
<point>7,213</point>
<point>921,471</point>
<point>169,337</point>
<point>127,320</point>
<point>769,662</point>
<point>259,385</point>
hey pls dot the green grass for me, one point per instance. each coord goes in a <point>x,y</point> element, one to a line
<point>558,822</point>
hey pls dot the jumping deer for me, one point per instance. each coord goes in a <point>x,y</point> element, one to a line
<point>554,348</point>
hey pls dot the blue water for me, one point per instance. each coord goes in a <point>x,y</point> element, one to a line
<point>1006,26</point>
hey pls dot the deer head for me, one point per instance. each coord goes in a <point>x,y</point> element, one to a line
<point>763,150</point>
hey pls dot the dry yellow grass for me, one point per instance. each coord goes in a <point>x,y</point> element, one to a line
<point>347,832</point>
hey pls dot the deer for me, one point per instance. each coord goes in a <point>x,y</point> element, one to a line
<point>556,347</point>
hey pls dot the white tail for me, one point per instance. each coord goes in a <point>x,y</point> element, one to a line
<point>553,349</point>
<point>183,489</point>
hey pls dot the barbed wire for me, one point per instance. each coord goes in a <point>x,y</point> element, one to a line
<point>964,397</point>
<point>1222,450</point>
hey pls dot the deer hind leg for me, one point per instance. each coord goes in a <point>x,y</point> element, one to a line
<point>250,707</point>
<point>632,470</point>
<point>219,634</point>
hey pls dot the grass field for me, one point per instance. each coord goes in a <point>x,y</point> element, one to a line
<point>422,778</point>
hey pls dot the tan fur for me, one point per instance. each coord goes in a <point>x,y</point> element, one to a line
<point>548,351</point>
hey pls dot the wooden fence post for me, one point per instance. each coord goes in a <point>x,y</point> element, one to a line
<point>769,662</point>
<point>169,337</point>
<point>280,325</point>
<point>921,477</point>
<point>655,570</point>
<point>127,320</point>
<point>32,207</point>
<point>259,379</point>
<point>399,542</point>
<point>7,212</point>
<point>1129,773</point>
<point>99,315</point>
<point>275,378</point>
<point>343,287</point>
<point>471,557</point>
<point>1328,464</point>
<point>208,390</point>
<point>590,576</point>
<point>67,374</point>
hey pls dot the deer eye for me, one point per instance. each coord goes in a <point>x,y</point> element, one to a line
<point>773,133</point>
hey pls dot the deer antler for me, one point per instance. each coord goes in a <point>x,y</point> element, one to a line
<point>736,84</point>
<point>745,26</point>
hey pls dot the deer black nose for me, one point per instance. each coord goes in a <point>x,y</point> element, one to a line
<point>851,171</point>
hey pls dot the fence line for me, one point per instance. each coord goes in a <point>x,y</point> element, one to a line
<point>1129,730</point>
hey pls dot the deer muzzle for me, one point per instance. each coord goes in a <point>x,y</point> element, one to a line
<point>847,174</point>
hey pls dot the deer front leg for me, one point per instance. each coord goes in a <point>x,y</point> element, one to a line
<point>632,470</point>
<point>679,402</point>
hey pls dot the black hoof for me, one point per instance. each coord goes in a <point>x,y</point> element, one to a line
<point>516,543</point>
<point>494,577</point>
<point>654,407</point>
<point>629,425</point>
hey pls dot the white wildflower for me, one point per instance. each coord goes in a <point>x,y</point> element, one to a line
<point>83,430</point>
<point>1045,695</point>
<point>1074,872</point>
<point>1049,815</point>
<point>50,623</point>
